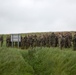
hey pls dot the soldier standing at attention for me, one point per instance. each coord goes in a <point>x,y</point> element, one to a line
<point>74,41</point>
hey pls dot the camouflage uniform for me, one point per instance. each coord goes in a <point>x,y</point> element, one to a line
<point>25,41</point>
<point>74,42</point>
<point>44,40</point>
<point>22,43</point>
<point>8,41</point>
<point>62,42</point>
<point>56,42</point>
<point>34,40</point>
<point>53,40</point>
<point>28,42</point>
<point>70,39</point>
<point>67,41</point>
<point>47,41</point>
<point>1,39</point>
<point>41,41</point>
<point>38,41</point>
<point>59,40</point>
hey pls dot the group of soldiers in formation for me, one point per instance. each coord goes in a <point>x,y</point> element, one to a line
<point>46,40</point>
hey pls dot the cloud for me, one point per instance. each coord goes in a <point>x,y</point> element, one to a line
<point>21,16</point>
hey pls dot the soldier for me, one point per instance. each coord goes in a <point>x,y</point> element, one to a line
<point>56,41</point>
<point>59,39</point>
<point>31,41</point>
<point>8,41</point>
<point>1,40</point>
<point>28,42</point>
<point>70,39</point>
<point>25,41</point>
<point>44,40</point>
<point>53,39</point>
<point>47,40</point>
<point>35,40</point>
<point>62,42</point>
<point>39,43</point>
<point>74,42</point>
<point>41,40</point>
<point>22,43</point>
<point>67,41</point>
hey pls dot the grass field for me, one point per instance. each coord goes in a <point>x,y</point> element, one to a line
<point>37,61</point>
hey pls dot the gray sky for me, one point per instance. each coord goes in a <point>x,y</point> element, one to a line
<point>22,16</point>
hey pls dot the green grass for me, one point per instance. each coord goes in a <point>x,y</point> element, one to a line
<point>12,63</point>
<point>37,61</point>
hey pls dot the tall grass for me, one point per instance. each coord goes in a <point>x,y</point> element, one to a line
<point>12,63</point>
<point>37,61</point>
<point>52,61</point>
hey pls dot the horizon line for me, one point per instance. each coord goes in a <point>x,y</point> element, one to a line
<point>35,32</point>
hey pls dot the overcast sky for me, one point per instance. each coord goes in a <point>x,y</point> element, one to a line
<point>22,16</point>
